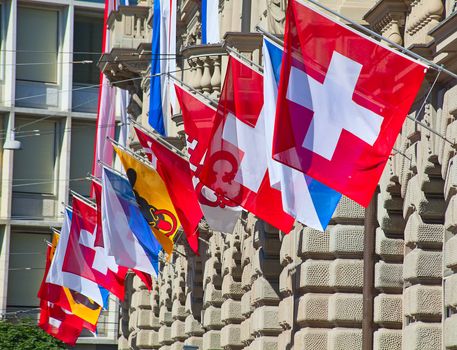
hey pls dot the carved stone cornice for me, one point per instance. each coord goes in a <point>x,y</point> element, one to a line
<point>387,18</point>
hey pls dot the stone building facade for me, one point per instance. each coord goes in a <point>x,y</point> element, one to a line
<point>260,289</point>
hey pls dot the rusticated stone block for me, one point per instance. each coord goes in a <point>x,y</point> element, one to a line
<point>231,311</point>
<point>286,280</point>
<point>247,277</point>
<point>265,321</point>
<point>165,316</point>
<point>147,339</point>
<point>285,339</point>
<point>388,248</point>
<point>450,185</point>
<point>194,341</point>
<point>450,334</point>
<point>388,277</point>
<point>138,284</point>
<point>165,347</point>
<point>345,338</point>
<point>312,309</point>
<point>178,330</point>
<point>264,292</point>
<point>247,251</point>
<point>427,207</point>
<point>230,262</point>
<point>346,274</point>
<point>315,244</point>
<point>177,346</point>
<point>147,320</point>
<point>212,340</point>
<point>423,235</point>
<point>212,318</point>
<point>192,327</point>
<point>246,332</point>
<point>387,339</point>
<point>141,300</point>
<point>231,288</point>
<point>421,265</point>
<point>387,310</point>
<point>178,311</point>
<point>286,312</point>
<point>265,266</point>
<point>311,338</point>
<point>314,275</point>
<point>132,340</point>
<point>231,337</point>
<point>450,218</point>
<point>347,240</point>
<point>348,212</point>
<point>420,335</point>
<point>450,286</point>
<point>133,320</point>
<point>246,307</point>
<point>123,343</point>
<point>451,253</point>
<point>390,222</point>
<point>165,335</point>
<point>345,309</point>
<point>289,246</point>
<point>264,343</point>
<point>212,296</point>
<point>423,302</point>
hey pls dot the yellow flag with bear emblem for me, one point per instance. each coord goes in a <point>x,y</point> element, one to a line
<point>153,199</point>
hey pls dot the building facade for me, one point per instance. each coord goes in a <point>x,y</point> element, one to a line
<point>378,278</point>
<point>48,103</point>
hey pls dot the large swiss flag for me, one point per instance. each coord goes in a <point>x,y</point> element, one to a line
<point>342,100</point>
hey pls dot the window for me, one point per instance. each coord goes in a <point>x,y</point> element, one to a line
<point>37,42</point>
<point>26,250</point>
<point>81,156</point>
<point>87,45</point>
<point>35,164</point>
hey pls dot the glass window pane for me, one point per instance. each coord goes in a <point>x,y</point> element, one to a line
<point>81,156</point>
<point>37,42</point>
<point>27,250</point>
<point>34,164</point>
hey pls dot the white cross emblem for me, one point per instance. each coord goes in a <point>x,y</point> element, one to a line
<point>250,140</point>
<point>102,262</point>
<point>333,107</point>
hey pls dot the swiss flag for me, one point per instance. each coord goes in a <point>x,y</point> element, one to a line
<point>236,164</point>
<point>84,258</point>
<point>342,100</point>
<point>176,175</point>
<point>59,323</point>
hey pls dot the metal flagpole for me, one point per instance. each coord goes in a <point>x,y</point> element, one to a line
<point>212,102</point>
<point>281,42</point>
<point>160,139</point>
<point>243,58</point>
<point>82,198</point>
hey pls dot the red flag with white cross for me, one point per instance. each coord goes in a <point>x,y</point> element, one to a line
<point>84,258</point>
<point>342,100</point>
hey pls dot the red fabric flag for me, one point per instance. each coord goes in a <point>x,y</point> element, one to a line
<point>85,259</point>
<point>236,164</point>
<point>342,100</point>
<point>60,324</point>
<point>176,175</point>
<point>221,213</point>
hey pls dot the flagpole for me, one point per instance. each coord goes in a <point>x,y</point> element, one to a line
<point>281,42</point>
<point>103,164</point>
<point>192,90</point>
<point>82,198</point>
<point>242,58</point>
<point>161,140</point>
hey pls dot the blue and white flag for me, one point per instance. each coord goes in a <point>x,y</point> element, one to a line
<point>304,198</point>
<point>126,234</point>
<point>210,22</point>
<point>163,61</point>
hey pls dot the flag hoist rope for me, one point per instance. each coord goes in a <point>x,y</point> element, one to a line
<point>434,65</point>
